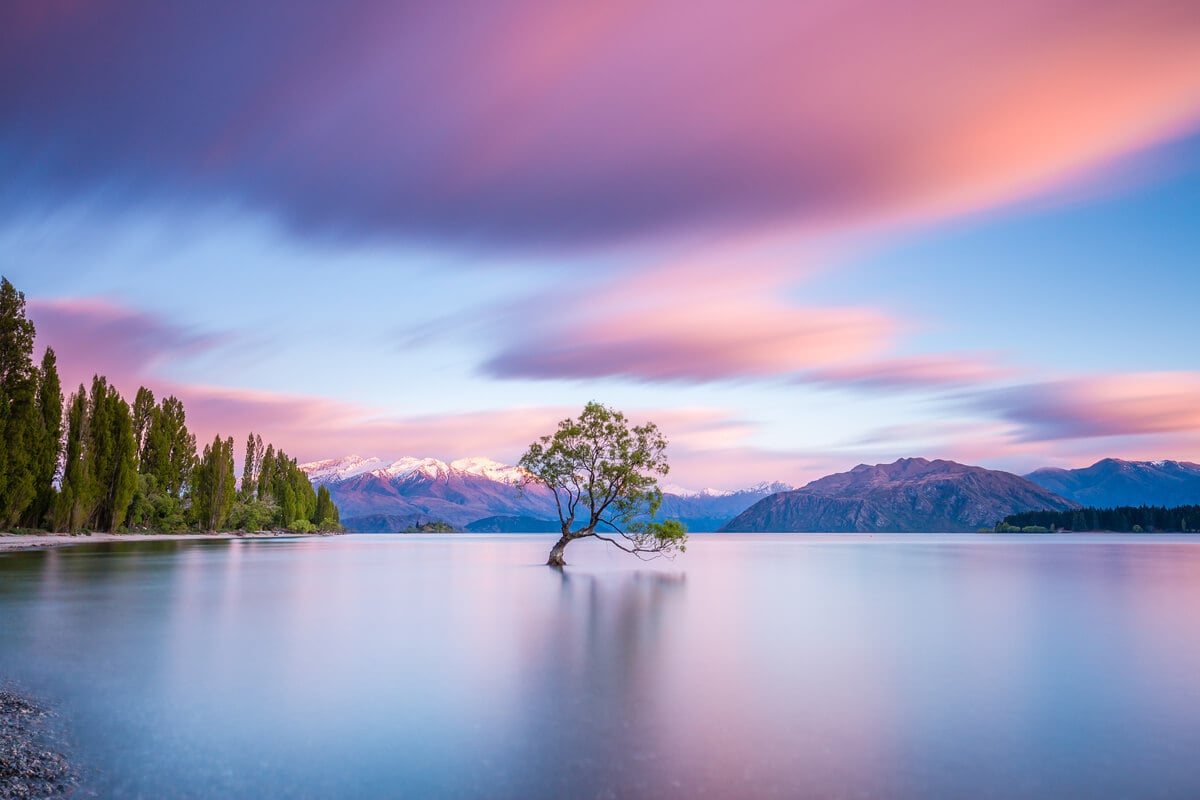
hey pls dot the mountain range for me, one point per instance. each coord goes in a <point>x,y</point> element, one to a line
<point>913,494</point>
<point>1113,482</point>
<point>480,494</point>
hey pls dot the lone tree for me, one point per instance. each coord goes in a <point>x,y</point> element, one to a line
<point>604,474</point>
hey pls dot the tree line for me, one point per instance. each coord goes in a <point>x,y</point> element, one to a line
<point>1123,519</point>
<point>95,462</point>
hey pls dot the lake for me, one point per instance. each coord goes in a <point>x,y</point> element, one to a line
<point>757,666</point>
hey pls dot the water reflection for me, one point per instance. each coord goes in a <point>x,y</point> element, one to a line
<point>590,707</point>
<point>755,667</point>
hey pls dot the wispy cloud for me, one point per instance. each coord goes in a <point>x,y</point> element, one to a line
<point>1118,405</point>
<point>928,371</point>
<point>91,335</point>
<point>690,344</point>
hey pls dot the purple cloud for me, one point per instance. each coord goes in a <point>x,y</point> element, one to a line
<point>1131,404</point>
<point>93,336</point>
<point>537,123</point>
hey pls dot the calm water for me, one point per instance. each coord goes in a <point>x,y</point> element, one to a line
<point>754,666</point>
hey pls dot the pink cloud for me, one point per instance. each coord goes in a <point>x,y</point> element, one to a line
<point>536,123</point>
<point>92,336</point>
<point>1131,404</point>
<point>694,345</point>
<point>125,345</point>
<point>723,320</point>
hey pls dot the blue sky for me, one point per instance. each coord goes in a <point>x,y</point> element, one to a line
<point>965,233</point>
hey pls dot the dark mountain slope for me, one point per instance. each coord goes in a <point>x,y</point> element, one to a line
<point>910,495</point>
<point>1113,482</point>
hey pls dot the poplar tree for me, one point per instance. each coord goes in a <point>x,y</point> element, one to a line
<point>76,483</point>
<point>251,466</point>
<point>266,474</point>
<point>215,489</point>
<point>326,516</point>
<point>112,455</point>
<point>169,450</point>
<point>283,489</point>
<point>49,419</point>
<point>143,411</point>
<point>18,390</point>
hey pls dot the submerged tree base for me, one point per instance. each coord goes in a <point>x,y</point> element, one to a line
<point>557,553</point>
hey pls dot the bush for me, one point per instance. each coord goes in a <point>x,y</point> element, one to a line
<point>252,515</point>
<point>302,526</point>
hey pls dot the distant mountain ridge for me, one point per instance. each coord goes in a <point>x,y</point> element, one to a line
<point>909,495</point>
<point>481,494</point>
<point>1113,482</point>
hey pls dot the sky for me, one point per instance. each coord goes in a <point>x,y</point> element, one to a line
<point>796,236</point>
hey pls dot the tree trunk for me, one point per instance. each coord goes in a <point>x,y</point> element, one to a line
<point>556,555</point>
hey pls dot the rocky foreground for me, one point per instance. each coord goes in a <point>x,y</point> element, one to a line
<point>31,764</point>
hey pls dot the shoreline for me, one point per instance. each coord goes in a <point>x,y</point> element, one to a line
<point>10,543</point>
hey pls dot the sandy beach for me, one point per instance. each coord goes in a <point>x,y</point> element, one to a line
<point>10,542</point>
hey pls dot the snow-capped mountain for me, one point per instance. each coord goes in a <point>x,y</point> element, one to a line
<point>763,488</point>
<point>377,495</point>
<point>336,470</point>
<point>339,469</point>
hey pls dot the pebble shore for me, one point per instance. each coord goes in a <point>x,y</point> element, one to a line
<point>31,762</point>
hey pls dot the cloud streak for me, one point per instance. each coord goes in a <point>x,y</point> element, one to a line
<point>691,344</point>
<point>94,336</point>
<point>1132,404</point>
<point>928,371</point>
<point>531,123</point>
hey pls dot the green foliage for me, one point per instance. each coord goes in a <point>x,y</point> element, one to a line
<point>99,470</point>
<point>111,451</point>
<point>18,407</point>
<point>326,516</point>
<point>301,526</point>
<point>76,481</point>
<point>143,413</point>
<point>252,515</point>
<point>431,527</point>
<point>168,450</point>
<point>214,489</point>
<point>668,532</point>
<point>48,440</point>
<point>155,510</point>
<point>272,481</point>
<point>266,472</point>
<point>251,466</point>
<point>291,490</point>
<point>604,473</point>
<point>124,465</point>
